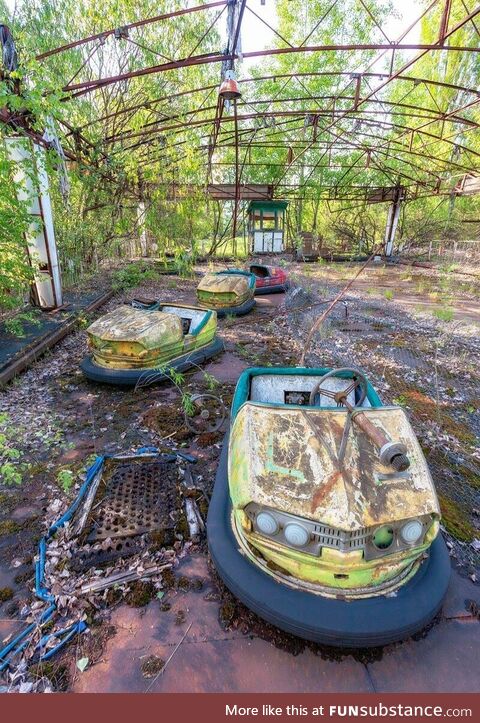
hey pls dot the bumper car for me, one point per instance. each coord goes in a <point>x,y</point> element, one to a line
<point>229,292</point>
<point>140,343</point>
<point>269,279</point>
<point>324,519</point>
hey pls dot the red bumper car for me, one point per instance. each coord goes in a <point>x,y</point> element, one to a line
<point>269,279</point>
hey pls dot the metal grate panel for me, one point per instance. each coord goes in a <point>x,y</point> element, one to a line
<point>137,498</point>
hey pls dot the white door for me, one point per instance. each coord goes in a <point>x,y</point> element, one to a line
<point>277,243</point>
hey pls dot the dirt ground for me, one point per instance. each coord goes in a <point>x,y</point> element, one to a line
<point>415,332</point>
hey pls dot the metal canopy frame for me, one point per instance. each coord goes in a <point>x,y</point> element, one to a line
<point>353,130</point>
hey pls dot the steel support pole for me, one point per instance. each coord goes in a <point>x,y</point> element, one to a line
<point>392,221</point>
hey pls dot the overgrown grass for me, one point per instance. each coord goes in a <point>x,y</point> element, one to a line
<point>12,468</point>
<point>133,275</point>
<point>444,313</point>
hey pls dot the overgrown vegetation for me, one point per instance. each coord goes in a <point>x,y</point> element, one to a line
<point>139,152</point>
<point>133,275</point>
<point>12,466</point>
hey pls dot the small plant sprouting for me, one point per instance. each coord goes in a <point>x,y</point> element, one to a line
<point>388,294</point>
<point>187,404</point>
<point>211,381</point>
<point>11,468</point>
<point>82,321</point>
<point>177,377</point>
<point>444,313</point>
<point>65,478</point>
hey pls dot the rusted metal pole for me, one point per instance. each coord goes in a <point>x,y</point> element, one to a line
<point>392,221</point>
<point>391,453</point>
<point>444,21</point>
<point>237,178</point>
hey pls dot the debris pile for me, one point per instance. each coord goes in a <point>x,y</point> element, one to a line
<point>130,522</point>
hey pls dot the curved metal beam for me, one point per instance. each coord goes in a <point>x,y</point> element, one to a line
<point>146,104</point>
<point>89,85</point>
<point>139,23</point>
<point>437,114</point>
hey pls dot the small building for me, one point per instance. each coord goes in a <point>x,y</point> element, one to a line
<point>266,224</point>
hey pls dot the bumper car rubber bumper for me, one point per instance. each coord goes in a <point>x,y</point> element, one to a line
<point>241,310</point>
<point>131,377</point>
<point>274,289</point>
<point>368,622</point>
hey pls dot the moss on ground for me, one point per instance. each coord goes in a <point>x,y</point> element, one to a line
<point>180,617</point>
<point>227,613</point>
<point>455,519</point>
<point>9,527</point>
<point>426,408</point>
<point>7,502</point>
<point>6,593</point>
<point>152,666</point>
<point>140,594</point>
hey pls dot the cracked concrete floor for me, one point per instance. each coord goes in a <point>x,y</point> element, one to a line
<point>211,659</point>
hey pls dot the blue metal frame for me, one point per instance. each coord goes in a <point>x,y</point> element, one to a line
<point>22,640</point>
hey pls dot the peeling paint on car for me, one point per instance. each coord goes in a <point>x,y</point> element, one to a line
<point>129,337</point>
<point>224,290</point>
<point>285,459</point>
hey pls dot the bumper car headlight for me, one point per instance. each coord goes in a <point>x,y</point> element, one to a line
<point>266,523</point>
<point>296,535</point>
<point>383,537</point>
<point>411,532</point>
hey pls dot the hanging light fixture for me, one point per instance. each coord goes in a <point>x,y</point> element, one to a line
<point>229,89</point>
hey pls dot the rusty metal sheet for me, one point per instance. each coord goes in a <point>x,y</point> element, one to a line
<point>134,497</point>
<point>287,459</point>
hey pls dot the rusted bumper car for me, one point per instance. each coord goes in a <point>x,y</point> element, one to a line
<point>230,292</point>
<point>269,279</point>
<point>142,343</point>
<point>324,519</point>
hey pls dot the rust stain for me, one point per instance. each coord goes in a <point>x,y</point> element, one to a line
<point>321,494</point>
<point>300,472</point>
